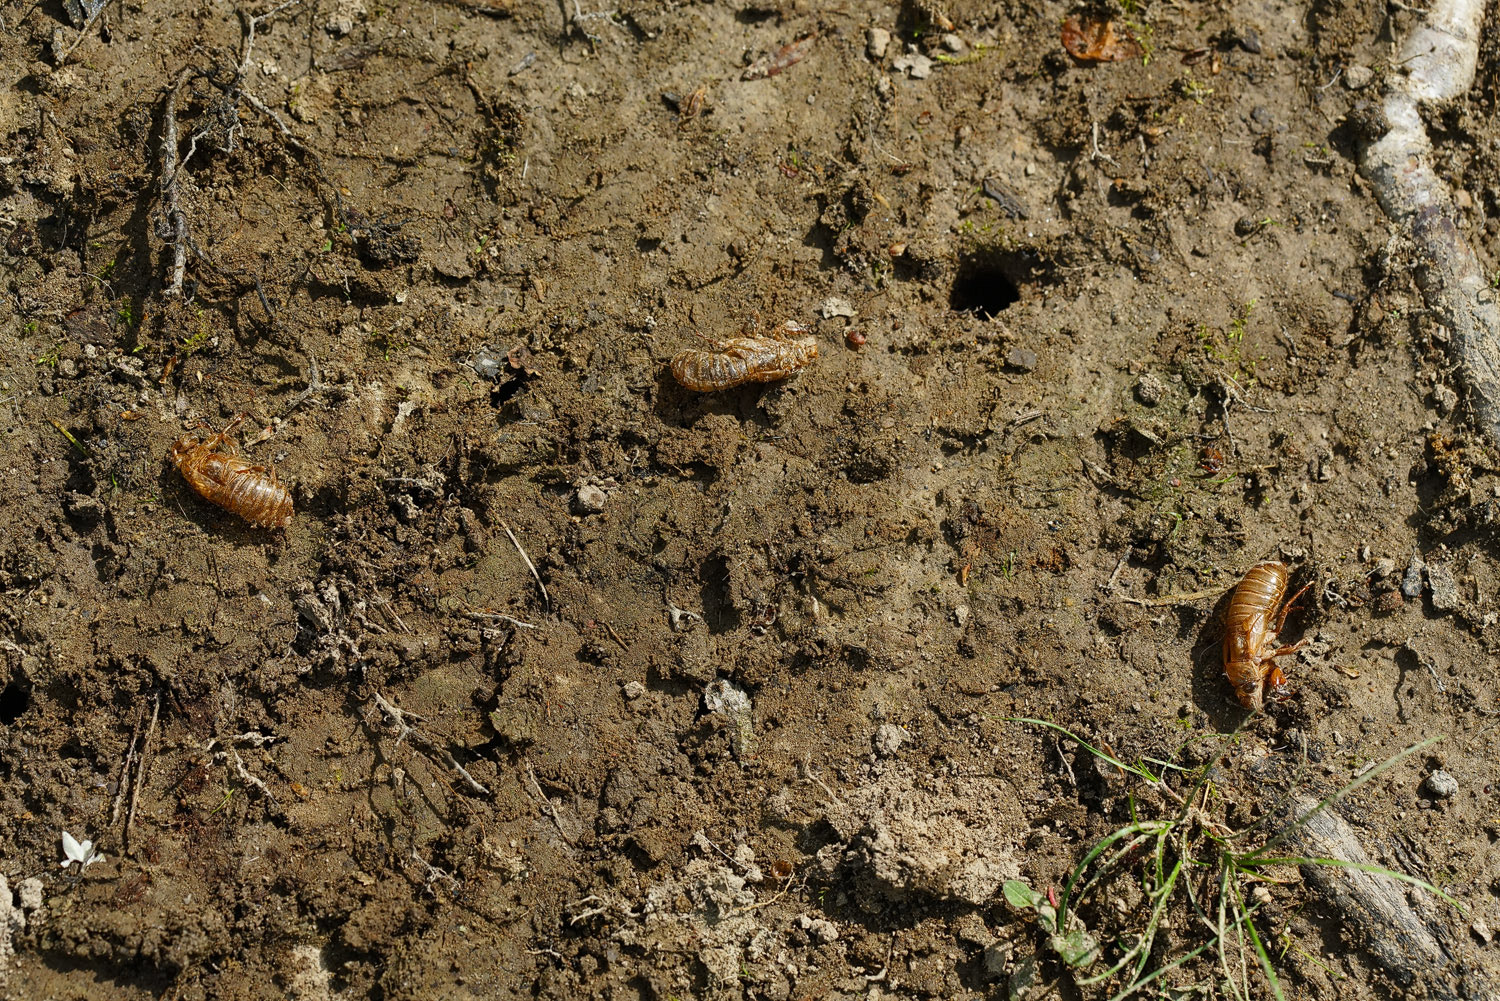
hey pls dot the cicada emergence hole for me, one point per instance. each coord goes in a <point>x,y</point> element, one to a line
<point>15,699</point>
<point>990,282</point>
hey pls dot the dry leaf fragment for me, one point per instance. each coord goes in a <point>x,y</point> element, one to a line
<point>1094,40</point>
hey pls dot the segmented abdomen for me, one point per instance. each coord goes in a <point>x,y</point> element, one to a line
<point>1257,594</point>
<point>254,493</point>
<point>251,491</point>
<point>744,359</point>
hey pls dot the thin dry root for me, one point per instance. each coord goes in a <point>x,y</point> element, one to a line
<point>1437,63</point>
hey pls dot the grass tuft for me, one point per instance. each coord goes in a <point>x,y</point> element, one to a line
<point>1184,857</point>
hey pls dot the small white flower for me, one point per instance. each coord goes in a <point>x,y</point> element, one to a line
<point>83,853</point>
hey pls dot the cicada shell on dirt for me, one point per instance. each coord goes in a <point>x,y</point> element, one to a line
<point>1250,646</point>
<point>747,359</point>
<point>237,485</point>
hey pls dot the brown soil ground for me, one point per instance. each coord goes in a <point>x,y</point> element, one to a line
<point>1093,339</point>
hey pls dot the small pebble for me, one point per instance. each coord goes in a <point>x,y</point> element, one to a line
<point>1441,785</point>
<point>953,43</point>
<point>30,892</point>
<point>888,739</point>
<point>1357,77</point>
<point>590,499</point>
<point>1021,358</point>
<point>818,929</point>
<point>1250,41</point>
<point>1149,390</point>
<point>1482,931</point>
<point>634,690</point>
<point>914,64</point>
<point>834,306</point>
<point>877,40</point>
<point>1411,581</point>
<point>1444,588</point>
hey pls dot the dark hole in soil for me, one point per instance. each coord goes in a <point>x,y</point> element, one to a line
<point>989,282</point>
<point>14,700</point>
<point>986,292</point>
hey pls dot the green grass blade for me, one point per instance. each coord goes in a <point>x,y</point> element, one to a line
<point>1244,918</point>
<point>1369,867</point>
<point>1144,830</point>
<point>1168,968</point>
<point>1132,769</point>
<point>1334,797</point>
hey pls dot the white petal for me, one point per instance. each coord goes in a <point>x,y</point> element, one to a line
<point>72,849</point>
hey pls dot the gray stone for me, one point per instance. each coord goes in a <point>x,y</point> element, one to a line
<point>590,499</point>
<point>1441,785</point>
<point>1411,581</point>
<point>1444,588</point>
<point>1149,390</point>
<point>1357,77</point>
<point>888,739</point>
<point>1021,358</point>
<point>915,64</point>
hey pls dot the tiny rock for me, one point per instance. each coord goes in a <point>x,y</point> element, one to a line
<point>1021,358</point>
<point>1357,77</point>
<point>634,690</point>
<point>994,960</point>
<point>1441,785</point>
<point>818,929</point>
<point>877,40</point>
<point>915,65</point>
<point>888,739</point>
<point>30,893</point>
<point>1444,588</point>
<point>1482,931</point>
<point>1149,390</point>
<point>1411,581</point>
<point>590,499</point>
<point>834,306</point>
<point>953,43</point>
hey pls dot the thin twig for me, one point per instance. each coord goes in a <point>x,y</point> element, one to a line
<point>503,618</point>
<point>83,32</point>
<point>135,735</point>
<point>529,565</point>
<point>386,607</point>
<point>169,168</point>
<point>547,806</point>
<point>1099,154</point>
<point>1175,599</point>
<point>247,776</point>
<point>1072,779</point>
<point>140,773</point>
<point>314,380</point>
<point>250,25</point>
<point>430,744</point>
